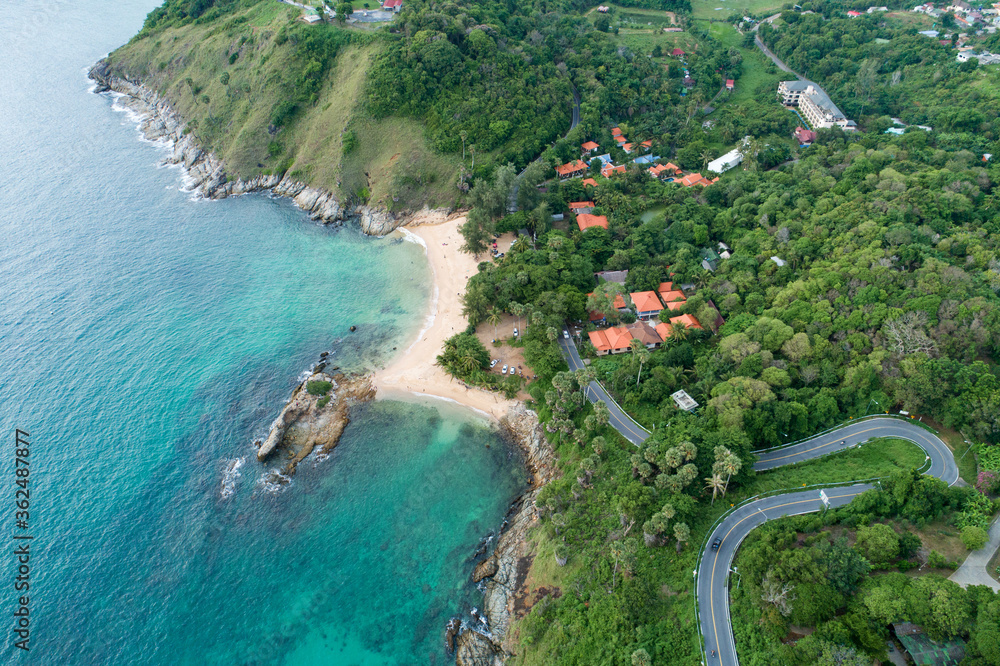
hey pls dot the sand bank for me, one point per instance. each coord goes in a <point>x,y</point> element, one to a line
<point>414,370</point>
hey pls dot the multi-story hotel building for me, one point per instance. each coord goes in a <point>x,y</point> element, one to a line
<point>814,104</point>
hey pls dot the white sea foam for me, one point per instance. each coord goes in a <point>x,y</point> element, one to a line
<point>411,237</point>
<point>230,472</point>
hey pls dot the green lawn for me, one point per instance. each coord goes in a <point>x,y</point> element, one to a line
<point>706,9</point>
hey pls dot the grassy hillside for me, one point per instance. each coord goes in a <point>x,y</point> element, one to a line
<point>270,94</point>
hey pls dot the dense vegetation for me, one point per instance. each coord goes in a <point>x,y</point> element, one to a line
<point>820,572</point>
<point>907,75</point>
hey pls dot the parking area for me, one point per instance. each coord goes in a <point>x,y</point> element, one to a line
<point>507,355</point>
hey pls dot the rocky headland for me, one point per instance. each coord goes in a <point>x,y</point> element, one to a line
<point>505,569</point>
<point>207,175</point>
<point>315,418</point>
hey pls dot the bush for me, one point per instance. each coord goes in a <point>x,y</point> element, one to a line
<point>318,387</point>
<point>938,561</point>
<point>974,537</point>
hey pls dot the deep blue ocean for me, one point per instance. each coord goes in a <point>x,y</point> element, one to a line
<point>146,340</point>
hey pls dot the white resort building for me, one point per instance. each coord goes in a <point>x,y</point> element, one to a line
<point>815,105</point>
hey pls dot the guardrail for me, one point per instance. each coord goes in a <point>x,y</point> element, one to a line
<point>771,493</point>
<point>848,422</point>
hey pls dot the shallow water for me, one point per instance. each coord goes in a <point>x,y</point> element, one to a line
<point>147,340</point>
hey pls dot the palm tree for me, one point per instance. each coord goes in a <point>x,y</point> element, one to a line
<point>517,309</point>
<point>551,333</point>
<point>469,361</point>
<point>493,317</point>
<point>716,484</point>
<point>464,135</point>
<point>731,465</point>
<point>706,157</point>
<point>520,245</point>
<point>678,332</point>
<point>638,351</point>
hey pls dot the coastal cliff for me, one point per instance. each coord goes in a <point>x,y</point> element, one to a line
<point>206,174</point>
<point>506,567</point>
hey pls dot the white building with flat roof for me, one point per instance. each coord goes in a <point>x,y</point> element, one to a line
<point>815,105</point>
<point>727,161</point>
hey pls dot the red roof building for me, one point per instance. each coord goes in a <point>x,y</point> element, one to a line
<point>589,147</point>
<point>572,169</point>
<point>611,340</point>
<point>615,131</point>
<point>674,300</point>
<point>687,320</point>
<point>621,139</point>
<point>589,182</point>
<point>647,304</point>
<point>578,205</point>
<point>664,330</point>
<point>610,169</point>
<point>627,147</point>
<point>804,136</point>
<point>586,221</point>
<point>730,84</point>
<point>646,144</point>
<point>693,179</point>
<point>853,14</point>
<point>677,52</point>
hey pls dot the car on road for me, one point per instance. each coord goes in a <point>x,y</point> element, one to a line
<point>494,362</point>
<point>515,331</point>
<point>716,542</point>
<point>566,334</point>
<point>503,370</point>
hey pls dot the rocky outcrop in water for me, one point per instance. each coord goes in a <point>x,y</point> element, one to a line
<point>206,174</point>
<point>506,567</point>
<point>308,421</point>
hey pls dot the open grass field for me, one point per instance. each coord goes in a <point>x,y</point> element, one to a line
<point>720,9</point>
<point>229,104</point>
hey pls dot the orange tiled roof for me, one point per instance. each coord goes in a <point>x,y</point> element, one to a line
<point>671,295</point>
<point>615,131</point>
<point>611,169</point>
<point>664,330</point>
<point>581,204</point>
<point>647,144</point>
<point>627,147</point>
<point>589,181</point>
<point>687,320</point>
<point>646,301</point>
<point>665,286</point>
<point>619,302</point>
<point>611,339</point>
<point>571,167</point>
<point>589,146</point>
<point>586,221</point>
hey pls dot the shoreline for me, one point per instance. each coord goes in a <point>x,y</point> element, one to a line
<point>205,174</point>
<point>414,370</point>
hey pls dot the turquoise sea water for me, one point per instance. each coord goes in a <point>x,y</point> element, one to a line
<point>146,339</point>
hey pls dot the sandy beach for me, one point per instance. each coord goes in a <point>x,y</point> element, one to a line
<point>414,371</point>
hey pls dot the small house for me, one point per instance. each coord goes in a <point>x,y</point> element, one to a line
<point>645,334</point>
<point>730,84</point>
<point>581,207</point>
<point>614,340</point>
<point>586,221</point>
<point>589,147</point>
<point>573,169</point>
<point>647,304</point>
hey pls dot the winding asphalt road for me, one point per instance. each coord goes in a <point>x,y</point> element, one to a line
<point>712,584</point>
<point>620,421</point>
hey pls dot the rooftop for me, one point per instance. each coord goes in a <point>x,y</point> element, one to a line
<point>586,221</point>
<point>684,401</point>
<point>646,301</point>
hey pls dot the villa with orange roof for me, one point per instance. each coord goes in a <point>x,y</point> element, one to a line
<point>687,320</point>
<point>589,147</point>
<point>621,139</point>
<point>611,340</point>
<point>581,207</point>
<point>647,304</point>
<point>615,131</point>
<point>693,179</point>
<point>589,182</point>
<point>572,169</point>
<point>610,169</point>
<point>664,330</point>
<point>673,299</point>
<point>646,144</point>
<point>586,221</point>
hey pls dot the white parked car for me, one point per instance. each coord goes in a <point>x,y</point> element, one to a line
<point>566,334</point>
<point>515,331</point>
<point>503,371</point>
<point>494,362</point>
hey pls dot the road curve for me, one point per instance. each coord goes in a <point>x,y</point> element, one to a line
<point>712,576</point>
<point>620,421</point>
